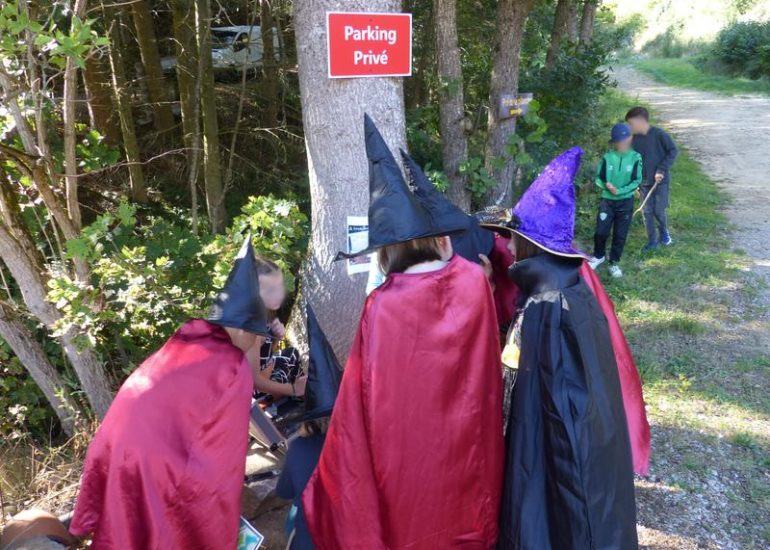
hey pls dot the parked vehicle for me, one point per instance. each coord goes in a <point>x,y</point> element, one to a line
<point>231,49</point>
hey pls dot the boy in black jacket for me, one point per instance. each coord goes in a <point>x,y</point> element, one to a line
<point>658,154</point>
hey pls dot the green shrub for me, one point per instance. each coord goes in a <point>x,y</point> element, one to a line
<point>151,277</point>
<point>743,48</point>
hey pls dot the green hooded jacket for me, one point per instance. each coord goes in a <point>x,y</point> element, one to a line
<point>623,170</point>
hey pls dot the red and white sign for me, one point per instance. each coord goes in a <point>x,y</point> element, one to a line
<point>369,44</point>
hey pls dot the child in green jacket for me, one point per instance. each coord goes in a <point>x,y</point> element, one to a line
<point>618,175</point>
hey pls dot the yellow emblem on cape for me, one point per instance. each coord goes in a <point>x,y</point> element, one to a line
<point>511,355</point>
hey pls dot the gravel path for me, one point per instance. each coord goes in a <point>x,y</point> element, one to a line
<point>729,136</point>
<point>708,488</point>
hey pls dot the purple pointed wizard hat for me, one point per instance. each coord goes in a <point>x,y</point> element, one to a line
<point>545,214</point>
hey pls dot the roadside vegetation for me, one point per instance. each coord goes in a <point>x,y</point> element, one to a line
<point>688,73</point>
<point>705,383</point>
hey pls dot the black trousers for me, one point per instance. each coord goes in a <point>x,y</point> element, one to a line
<point>614,217</point>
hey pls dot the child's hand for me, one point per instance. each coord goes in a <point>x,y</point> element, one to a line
<point>299,385</point>
<point>267,372</point>
<point>659,177</point>
<point>277,329</point>
<point>612,189</point>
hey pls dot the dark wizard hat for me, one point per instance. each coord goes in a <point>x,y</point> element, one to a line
<point>238,304</point>
<point>468,244</point>
<point>324,373</point>
<point>545,214</point>
<point>395,214</point>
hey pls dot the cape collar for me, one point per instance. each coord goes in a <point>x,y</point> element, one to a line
<point>544,272</point>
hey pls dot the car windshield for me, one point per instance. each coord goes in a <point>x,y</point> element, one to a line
<point>222,39</point>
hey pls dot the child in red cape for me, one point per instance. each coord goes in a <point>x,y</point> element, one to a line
<point>165,468</point>
<point>413,456</point>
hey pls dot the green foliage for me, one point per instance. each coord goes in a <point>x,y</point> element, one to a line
<point>151,277</point>
<point>25,408</point>
<point>59,44</point>
<point>694,73</point>
<point>743,48</point>
<point>566,112</point>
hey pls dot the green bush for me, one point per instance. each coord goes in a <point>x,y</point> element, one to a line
<point>743,48</point>
<point>151,277</point>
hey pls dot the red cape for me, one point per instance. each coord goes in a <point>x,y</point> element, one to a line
<point>414,453</point>
<point>506,293</point>
<point>166,467</point>
<point>630,384</point>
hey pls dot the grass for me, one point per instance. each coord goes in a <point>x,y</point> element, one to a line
<point>704,378</point>
<point>682,73</point>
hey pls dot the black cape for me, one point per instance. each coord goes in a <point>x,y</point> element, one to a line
<point>569,477</point>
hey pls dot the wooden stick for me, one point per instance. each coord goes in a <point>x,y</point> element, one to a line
<point>646,198</point>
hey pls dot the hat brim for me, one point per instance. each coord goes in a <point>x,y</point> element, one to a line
<point>370,249</point>
<point>509,232</point>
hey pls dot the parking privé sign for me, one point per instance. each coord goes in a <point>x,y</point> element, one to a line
<point>369,44</point>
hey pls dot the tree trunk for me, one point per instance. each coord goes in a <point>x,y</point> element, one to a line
<point>416,86</point>
<point>156,85</point>
<point>24,261</point>
<point>454,144</point>
<point>212,172</point>
<point>559,29</point>
<point>70,96</point>
<point>187,74</point>
<point>333,117</point>
<point>498,160</point>
<point>101,108</point>
<point>572,22</point>
<point>31,354</point>
<point>269,69</point>
<point>122,99</point>
<point>587,23</point>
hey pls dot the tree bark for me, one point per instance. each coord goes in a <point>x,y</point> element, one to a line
<point>156,85</point>
<point>559,29</point>
<point>212,172</point>
<point>123,101</point>
<point>101,108</point>
<point>269,69</point>
<point>31,354</point>
<point>454,143</point>
<point>27,266</point>
<point>333,118</point>
<point>511,17</point>
<point>183,12</point>
<point>587,22</point>
<point>70,96</point>
<point>572,22</point>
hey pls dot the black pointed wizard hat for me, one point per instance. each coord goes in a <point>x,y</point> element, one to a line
<point>238,304</point>
<point>395,215</point>
<point>468,244</point>
<point>324,373</point>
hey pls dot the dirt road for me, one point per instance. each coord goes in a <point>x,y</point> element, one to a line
<point>729,136</point>
<point>707,487</point>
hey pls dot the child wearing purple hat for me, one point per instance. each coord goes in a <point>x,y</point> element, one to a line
<point>568,475</point>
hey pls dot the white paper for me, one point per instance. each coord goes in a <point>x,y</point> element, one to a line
<point>358,239</point>
<point>248,537</point>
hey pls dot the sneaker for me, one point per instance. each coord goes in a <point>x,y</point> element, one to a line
<point>650,246</point>
<point>595,262</point>
<point>665,239</point>
<point>615,271</point>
